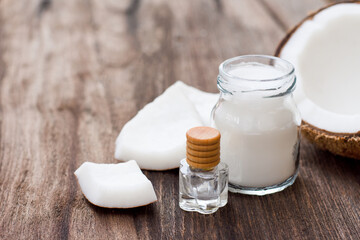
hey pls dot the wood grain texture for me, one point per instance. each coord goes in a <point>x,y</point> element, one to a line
<point>72,73</point>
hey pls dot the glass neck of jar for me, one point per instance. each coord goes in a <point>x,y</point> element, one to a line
<point>256,76</point>
<point>263,89</point>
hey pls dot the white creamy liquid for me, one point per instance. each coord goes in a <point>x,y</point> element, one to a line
<point>258,135</point>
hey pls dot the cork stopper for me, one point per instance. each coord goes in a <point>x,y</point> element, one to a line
<point>203,147</point>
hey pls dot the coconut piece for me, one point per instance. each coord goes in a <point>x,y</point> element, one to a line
<point>325,50</point>
<point>204,102</point>
<point>121,185</point>
<point>155,137</point>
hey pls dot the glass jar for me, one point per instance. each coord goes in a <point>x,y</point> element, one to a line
<point>259,123</point>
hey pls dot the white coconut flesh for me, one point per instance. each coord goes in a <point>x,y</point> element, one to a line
<point>121,185</point>
<point>156,136</point>
<point>325,51</point>
<point>203,101</point>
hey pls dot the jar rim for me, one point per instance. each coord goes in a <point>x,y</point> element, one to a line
<point>290,68</point>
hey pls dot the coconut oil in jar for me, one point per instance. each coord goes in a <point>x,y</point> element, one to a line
<point>258,120</point>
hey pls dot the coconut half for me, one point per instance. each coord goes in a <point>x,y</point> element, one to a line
<point>121,185</point>
<point>325,50</point>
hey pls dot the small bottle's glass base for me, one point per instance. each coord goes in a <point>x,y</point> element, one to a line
<point>200,206</point>
<point>203,191</point>
<point>260,191</point>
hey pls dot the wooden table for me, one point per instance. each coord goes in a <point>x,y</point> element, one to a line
<point>73,72</point>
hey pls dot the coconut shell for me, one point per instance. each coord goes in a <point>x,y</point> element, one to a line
<point>343,144</point>
<point>346,145</point>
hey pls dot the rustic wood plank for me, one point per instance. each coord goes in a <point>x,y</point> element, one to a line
<point>72,73</point>
<point>288,13</point>
<point>55,117</point>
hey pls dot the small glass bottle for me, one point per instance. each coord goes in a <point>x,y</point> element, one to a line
<point>203,179</point>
